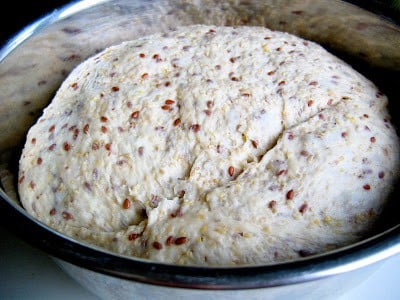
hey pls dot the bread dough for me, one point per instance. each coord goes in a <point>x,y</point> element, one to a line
<point>212,146</point>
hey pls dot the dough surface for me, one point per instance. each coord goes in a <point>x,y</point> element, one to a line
<point>212,146</point>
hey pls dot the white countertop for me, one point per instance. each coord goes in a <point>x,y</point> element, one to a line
<point>27,273</point>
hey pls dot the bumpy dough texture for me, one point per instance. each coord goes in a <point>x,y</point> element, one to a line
<point>212,146</point>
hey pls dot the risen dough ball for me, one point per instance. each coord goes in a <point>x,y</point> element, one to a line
<point>213,146</point>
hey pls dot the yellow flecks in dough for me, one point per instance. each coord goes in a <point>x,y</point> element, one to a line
<point>247,235</point>
<point>200,239</point>
<point>220,229</point>
<point>327,220</point>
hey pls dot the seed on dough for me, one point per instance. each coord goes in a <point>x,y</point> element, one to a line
<point>272,204</point>
<point>169,241</point>
<point>180,240</point>
<point>66,146</point>
<point>95,146</point>
<point>157,245</point>
<point>76,133</point>
<point>304,153</point>
<point>281,172</point>
<point>66,215</point>
<point>303,208</point>
<point>290,195</point>
<point>177,122</point>
<point>86,129</point>
<point>133,236</point>
<point>195,127</point>
<point>141,151</point>
<point>135,114</point>
<point>126,204</point>
<point>231,171</point>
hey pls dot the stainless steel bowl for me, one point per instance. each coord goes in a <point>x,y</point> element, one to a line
<point>34,63</point>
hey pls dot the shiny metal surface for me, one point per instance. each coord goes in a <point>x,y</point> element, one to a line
<point>35,62</point>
